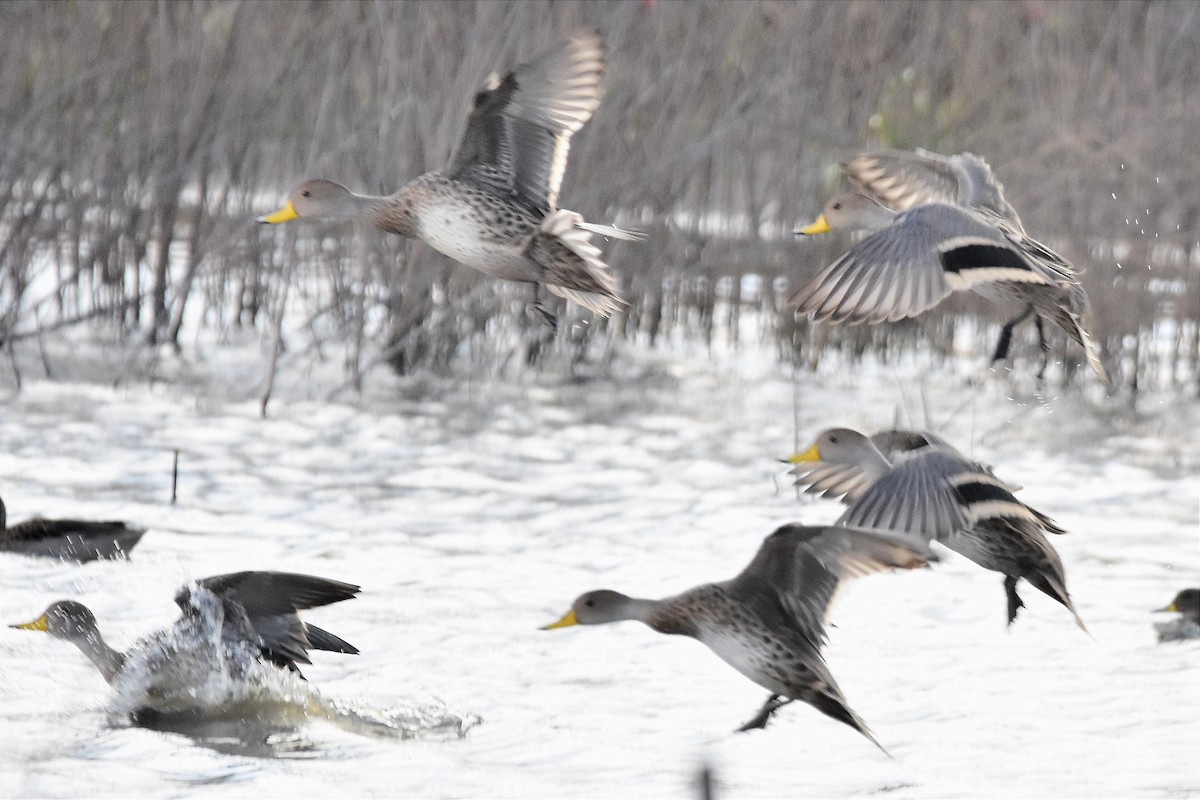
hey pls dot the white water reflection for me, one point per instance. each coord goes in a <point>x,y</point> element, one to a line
<point>474,511</point>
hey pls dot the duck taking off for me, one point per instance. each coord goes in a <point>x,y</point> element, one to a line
<point>227,622</point>
<point>768,623</point>
<point>918,484</point>
<point>495,206</point>
<point>940,224</point>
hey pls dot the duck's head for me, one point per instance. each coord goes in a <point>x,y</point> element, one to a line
<point>596,608</point>
<point>316,198</point>
<point>848,211</point>
<point>1187,603</point>
<point>838,446</point>
<point>65,619</point>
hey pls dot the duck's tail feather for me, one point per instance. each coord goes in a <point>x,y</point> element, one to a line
<point>572,267</point>
<point>1090,349</point>
<point>612,232</point>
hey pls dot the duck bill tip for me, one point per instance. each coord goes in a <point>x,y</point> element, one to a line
<point>819,225</point>
<point>811,454</point>
<point>285,214</point>
<point>38,624</point>
<point>566,622</point>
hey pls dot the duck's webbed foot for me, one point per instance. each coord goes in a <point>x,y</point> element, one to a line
<point>760,719</point>
<point>1014,600</point>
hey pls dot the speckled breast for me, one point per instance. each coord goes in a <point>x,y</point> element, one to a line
<point>480,232</point>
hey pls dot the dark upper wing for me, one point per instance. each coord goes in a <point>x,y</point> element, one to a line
<point>519,130</point>
<point>268,602</point>
<point>905,179</point>
<point>792,579</point>
<point>267,594</point>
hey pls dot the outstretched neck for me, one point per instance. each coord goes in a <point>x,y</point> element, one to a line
<point>106,659</point>
<point>875,464</point>
<point>874,217</point>
<point>665,616</point>
<point>392,213</point>
<point>356,206</point>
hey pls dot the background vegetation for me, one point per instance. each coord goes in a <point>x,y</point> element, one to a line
<point>138,140</point>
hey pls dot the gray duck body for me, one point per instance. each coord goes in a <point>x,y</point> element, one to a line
<point>940,224</point>
<point>923,486</point>
<point>495,206</point>
<point>768,623</point>
<point>227,621</point>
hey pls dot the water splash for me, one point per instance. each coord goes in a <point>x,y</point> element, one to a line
<point>192,680</point>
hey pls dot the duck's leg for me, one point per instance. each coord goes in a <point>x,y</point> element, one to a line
<point>544,313</point>
<point>1014,600</point>
<point>1006,333</point>
<point>772,705</point>
<point>1043,345</point>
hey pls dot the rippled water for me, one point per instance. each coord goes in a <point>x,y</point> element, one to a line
<point>472,511</point>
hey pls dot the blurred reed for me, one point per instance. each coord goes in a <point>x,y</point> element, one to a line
<point>140,139</point>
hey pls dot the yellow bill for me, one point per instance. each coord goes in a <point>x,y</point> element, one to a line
<point>1171,607</point>
<point>819,226</point>
<point>285,214</point>
<point>565,622</point>
<point>811,454</point>
<point>38,624</point>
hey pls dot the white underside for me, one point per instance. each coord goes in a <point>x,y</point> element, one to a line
<point>451,228</point>
<point>733,651</point>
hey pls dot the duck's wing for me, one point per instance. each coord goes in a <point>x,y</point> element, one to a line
<point>793,577</point>
<point>267,594</point>
<point>835,481</point>
<point>847,482</point>
<point>519,130</point>
<point>913,264</point>
<point>269,602</point>
<point>937,493</point>
<point>901,180</point>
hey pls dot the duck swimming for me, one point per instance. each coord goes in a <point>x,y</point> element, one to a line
<point>1187,626</point>
<point>67,539</point>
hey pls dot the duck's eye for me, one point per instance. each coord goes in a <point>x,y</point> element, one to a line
<point>306,193</point>
<point>837,206</point>
<point>833,440</point>
<point>590,603</point>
